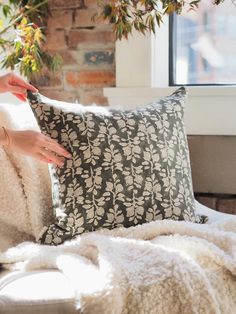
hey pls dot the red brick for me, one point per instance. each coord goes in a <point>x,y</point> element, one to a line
<point>60,95</point>
<point>68,57</point>
<point>96,96</point>
<point>90,78</point>
<point>60,19</point>
<point>91,3</point>
<point>56,40</point>
<point>84,18</point>
<point>99,57</point>
<point>208,201</point>
<point>58,4</point>
<point>88,59</point>
<point>227,206</point>
<point>77,37</point>
<point>46,79</point>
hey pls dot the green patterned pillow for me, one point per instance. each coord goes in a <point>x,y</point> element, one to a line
<point>128,167</point>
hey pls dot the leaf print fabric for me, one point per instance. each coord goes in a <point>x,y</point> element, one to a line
<point>128,167</point>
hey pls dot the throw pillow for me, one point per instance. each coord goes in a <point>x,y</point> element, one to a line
<point>128,167</point>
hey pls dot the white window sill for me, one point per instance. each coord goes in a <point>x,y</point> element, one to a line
<point>210,110</point>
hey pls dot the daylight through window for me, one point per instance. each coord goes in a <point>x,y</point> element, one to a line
<point>203,45</point>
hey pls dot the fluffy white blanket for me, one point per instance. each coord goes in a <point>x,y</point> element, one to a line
<point>25,188</point>
<point>161,267</point>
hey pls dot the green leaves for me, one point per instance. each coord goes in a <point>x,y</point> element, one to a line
<point>107,10</point>
<point>25,49</point>
<point>141,15</point>
<point>6,10</point>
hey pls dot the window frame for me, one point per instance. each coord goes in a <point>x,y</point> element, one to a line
<point>172,46</point>
<point>142,75</point>
<point>172,52</point>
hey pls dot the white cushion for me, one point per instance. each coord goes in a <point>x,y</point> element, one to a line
<point>50,292</point>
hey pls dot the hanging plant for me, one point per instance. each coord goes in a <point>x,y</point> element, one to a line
<point>24,36</point>
<point>141,15</point>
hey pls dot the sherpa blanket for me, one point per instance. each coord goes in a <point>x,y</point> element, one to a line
<point>25,188</point>
<point>164,267</point>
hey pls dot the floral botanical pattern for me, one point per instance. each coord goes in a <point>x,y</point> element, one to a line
<point>128,167</point>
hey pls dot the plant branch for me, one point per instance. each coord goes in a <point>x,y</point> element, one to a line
<point>19,17</point>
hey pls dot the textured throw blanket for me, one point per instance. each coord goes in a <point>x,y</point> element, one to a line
<point>160,267</point>
<point>25,188</point>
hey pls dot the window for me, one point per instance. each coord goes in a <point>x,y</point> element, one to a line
<point>203,45</point>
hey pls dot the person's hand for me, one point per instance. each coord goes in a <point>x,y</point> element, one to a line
<point>37,145</point>
<point>15,85</point>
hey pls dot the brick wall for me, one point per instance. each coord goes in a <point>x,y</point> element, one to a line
<point>87,49</point>
<point>221,202</point>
